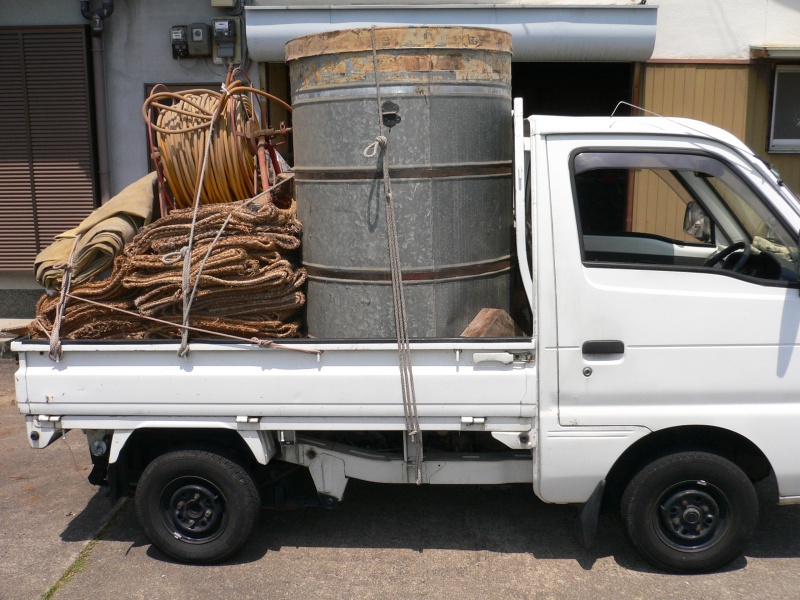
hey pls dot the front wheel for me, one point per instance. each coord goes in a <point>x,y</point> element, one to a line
<point>690,511</point>
<point>197,506</point>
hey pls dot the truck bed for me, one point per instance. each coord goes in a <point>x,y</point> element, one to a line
<point>305,384</point>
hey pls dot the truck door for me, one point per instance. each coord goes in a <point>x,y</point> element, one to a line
<point>677,292</point>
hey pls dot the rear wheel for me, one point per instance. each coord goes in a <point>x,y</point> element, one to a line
<point>197,506</point>
<point>690,511</point>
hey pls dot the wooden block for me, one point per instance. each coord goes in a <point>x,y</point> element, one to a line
<point>491,322</point>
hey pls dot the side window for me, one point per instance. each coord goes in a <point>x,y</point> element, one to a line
<point>633,201</point>
<point>677,210</point>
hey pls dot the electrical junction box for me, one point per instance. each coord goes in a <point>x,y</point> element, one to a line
<point>199,39</point>
<point>178,35</point>
<point>226,38</point>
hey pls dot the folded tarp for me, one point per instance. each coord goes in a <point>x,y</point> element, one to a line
<point>103,234</point>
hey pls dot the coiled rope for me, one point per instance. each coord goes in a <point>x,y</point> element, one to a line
<point>186,122</point>
<point>249,287</point>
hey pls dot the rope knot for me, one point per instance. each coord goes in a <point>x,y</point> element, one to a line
<point>261,343</point>
<point>170,258</point>
<point>371,150</point>
<point>56,352</point>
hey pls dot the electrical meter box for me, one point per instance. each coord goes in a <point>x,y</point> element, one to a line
<point>179,37</point>
<point>227,40</point>
<point>199,39</point>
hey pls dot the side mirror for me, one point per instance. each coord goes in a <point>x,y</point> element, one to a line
<point>696,223</point>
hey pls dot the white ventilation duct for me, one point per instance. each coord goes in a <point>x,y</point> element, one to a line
<point>540,33</point>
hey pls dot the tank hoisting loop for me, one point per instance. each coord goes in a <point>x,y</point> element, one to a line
<point>372,150</point>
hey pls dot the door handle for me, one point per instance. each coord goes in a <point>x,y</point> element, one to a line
<point>603,347</point>
<point>505,358</point>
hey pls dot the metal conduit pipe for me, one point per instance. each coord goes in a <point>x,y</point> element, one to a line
<point>95,18</point>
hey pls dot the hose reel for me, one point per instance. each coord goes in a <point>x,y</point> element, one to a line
<point>242,162</point>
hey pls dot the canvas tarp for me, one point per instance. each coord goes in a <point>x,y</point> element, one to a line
<point>103,234</point>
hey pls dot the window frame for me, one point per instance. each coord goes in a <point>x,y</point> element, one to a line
<point>676,268</point>
<point>775,144</point>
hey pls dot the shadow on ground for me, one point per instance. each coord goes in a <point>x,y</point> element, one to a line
<point>505,519</point>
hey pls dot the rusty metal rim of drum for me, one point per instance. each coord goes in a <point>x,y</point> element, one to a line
<point>346,41</point>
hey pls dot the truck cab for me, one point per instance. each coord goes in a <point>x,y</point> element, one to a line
<point>668,311</point>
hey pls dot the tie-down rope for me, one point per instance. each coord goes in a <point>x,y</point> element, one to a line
<point>398,297</point>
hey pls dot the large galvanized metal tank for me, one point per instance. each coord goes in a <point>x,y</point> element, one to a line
<point>450,155</point>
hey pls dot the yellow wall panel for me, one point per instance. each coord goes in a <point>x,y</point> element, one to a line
<point>714,93</point>
<point>735,97</point>
<point>657,209</point>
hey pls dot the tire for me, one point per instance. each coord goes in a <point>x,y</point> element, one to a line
<point>690,512</point>
<point>197,506</point>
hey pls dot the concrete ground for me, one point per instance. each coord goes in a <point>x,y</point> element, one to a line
<point>381,542</point>
<point>48,511</point>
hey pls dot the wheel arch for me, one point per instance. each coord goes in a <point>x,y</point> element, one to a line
<point>132,450</point>
<point>724,442</point>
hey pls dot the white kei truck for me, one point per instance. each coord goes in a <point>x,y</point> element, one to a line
<point>661,376</point>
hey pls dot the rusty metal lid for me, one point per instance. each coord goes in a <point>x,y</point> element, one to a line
<point>397,38</point>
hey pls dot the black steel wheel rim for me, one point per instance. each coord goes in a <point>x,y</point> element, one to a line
<point>692,516</point>
<point>193,510</point>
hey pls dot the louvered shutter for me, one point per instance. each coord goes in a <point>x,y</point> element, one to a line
<point>46,139</point>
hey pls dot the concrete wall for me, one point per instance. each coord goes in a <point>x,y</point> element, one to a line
<point>724,29</point>
<point>43,12</point>
<point>139,52</point>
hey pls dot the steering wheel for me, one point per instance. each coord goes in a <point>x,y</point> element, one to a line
<point>721,255</point>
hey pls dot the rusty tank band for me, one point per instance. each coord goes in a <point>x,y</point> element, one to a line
<point>441,90</point>
<point>431,274</point>
<point>461,170</point>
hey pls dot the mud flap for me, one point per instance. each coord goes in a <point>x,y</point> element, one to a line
<point>586,522</point>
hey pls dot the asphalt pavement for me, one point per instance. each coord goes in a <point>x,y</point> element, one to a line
<point>48,511</point>
<point>381,542</point>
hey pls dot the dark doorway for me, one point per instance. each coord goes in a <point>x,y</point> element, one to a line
<point>574,89</point>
